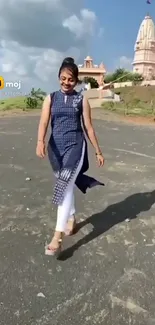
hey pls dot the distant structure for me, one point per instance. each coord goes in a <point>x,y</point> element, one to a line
<point>89,69</point>
<point>144,58</point>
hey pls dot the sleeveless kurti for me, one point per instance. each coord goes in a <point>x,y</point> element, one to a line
<point>66,143</point>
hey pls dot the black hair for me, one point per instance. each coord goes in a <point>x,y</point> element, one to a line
<point>69,64</point>
<point>68,60</point>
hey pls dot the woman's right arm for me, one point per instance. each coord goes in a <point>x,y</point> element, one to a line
<point>44,119</point>
<point>43,126</point>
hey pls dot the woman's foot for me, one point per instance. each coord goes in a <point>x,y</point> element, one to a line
<point>71,226</point>
<point>54,247</point>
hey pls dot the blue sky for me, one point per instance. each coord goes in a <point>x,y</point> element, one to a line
<point>120,20</point>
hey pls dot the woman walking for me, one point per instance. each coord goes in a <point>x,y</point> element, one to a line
<point>68,111</point>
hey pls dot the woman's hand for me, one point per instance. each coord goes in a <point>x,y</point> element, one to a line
<point>100,159</point>
<point>41,149</point>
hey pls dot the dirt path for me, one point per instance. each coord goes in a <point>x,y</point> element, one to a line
<point>106,271</point>
<point>97,113</point>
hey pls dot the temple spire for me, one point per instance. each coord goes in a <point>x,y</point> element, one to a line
<point>144,58</point>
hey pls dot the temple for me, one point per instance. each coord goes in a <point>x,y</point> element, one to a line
<point>89,69</point>
<point>143,62</point>
<point>144,58</point>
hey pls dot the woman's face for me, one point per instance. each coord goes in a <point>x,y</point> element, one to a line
<point>67,81</point>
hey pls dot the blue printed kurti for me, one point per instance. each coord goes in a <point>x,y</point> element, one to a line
<point>66,143</point>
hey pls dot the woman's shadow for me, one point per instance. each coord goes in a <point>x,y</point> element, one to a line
<point>112,215</point>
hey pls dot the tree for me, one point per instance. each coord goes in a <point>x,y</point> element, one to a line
<point>35,98</point>
<point>39,94</point>
<point>122,75</point>
<point>109,78</point>
<point>136,78</point>
<point>92,81</point>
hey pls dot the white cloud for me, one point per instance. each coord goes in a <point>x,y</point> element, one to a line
<point>37,35</point>
<point>82,25</point>
<point>124,62</point>
<point>6,67</point>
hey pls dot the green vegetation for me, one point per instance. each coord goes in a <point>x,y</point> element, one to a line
<point>32,101</point>
<point>92,81</point>
<point>135,101</point>
<point>123,75</point>
<point>35,99</point>
<point>14,103</point>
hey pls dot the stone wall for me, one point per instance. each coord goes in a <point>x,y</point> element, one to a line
<point>130,83</point>
<point>104,95</point>
<point>123,84</point>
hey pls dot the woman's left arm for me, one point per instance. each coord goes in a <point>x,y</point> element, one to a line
<point>89,130</point>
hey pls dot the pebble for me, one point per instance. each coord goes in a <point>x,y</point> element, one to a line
<point>127,220</point>
<point>40,294</point>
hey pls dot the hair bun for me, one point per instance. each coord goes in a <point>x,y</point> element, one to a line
<point>68,60</point>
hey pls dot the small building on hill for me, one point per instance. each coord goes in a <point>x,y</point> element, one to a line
<point>89,69</point>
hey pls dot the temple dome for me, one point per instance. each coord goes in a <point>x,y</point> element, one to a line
<point>88,58</point>
<point>146,31</point>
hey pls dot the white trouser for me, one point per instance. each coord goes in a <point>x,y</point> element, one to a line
<point>67,208</point>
